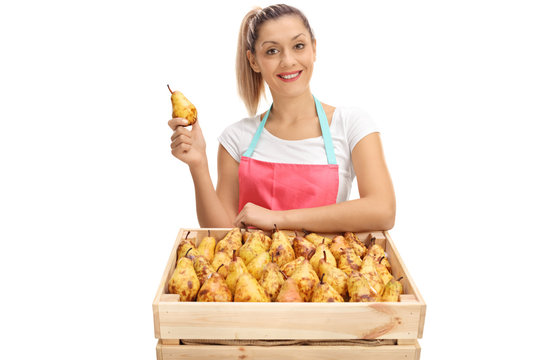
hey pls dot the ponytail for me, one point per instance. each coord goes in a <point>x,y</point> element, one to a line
<point>250,83</point>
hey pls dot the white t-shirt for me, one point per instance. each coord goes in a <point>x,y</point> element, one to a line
<point>348,126</point>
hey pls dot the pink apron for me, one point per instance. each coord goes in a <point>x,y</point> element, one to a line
<point>280,186</point>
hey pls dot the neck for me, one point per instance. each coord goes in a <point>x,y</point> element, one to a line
<point>292,109</point>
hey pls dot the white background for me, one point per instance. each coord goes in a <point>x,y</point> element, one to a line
<point>91,198</point>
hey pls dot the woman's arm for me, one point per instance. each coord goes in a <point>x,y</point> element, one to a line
<point>375,210</point>
<point>215,208</point>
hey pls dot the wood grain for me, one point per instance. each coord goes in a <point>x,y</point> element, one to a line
<point>355,352</point>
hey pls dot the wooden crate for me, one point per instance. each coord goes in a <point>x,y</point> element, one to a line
<point>397,325</point>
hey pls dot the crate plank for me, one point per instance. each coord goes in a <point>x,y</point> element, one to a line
<point>411,286</point>
<point>192,320</point>
<point>354,352</point>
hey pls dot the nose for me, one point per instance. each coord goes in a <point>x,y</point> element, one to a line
<point>287,59</point>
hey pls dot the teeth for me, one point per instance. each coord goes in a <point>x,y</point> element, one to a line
<point>290,76</point>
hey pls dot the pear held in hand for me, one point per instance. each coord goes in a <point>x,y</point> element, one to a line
<point>182,108</point>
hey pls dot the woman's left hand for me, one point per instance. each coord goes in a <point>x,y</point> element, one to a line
<point>257,216</point>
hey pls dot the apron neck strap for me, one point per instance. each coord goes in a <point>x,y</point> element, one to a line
<point>327,136</point>
<point>325,129</point>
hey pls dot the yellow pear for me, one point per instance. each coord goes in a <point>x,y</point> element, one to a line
<point>281,250</point>
<point>222,258</point>
<point>182,108</point>
<point>382,270</point>
<point>188,249</point>
<point>376,251</point>
<point>323,292</point>
<point>267,242</point>
<point>184,281</point>
<point>256,266</point>
<point>271,280</point>
<point>289,292</point>
<point>236,269</point>
<point>359,248</point>
<point>348,261</point>
<point>202,268</point>
<point>207,246</point>
<point>359,289</point>
<point>303,247</point>
<point>289,267</point>
<point>249,290</point>
<point>317,239</point>
<point>252,247</point>
<point>232,241</point>
<point>369,271</point>
<point>306,278</point>
<point>334,277</point>
<point>320,254</point>
<point>214,289</point>
<point>392,290</point>
<point>337,244</point>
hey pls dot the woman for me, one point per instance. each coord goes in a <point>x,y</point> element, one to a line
<point>293,165</point>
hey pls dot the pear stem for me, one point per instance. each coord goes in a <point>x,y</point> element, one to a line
<point>219,267</point>
<point>285,275</point>
<point>400,278</point>
<point>169,88</point>
<point>185,255</point>
<point>382,258</point>
<point>324,254</point>
<point>187,234</point>
<point>234,255</point>
<point>208,232</point>
<point>322,277</point>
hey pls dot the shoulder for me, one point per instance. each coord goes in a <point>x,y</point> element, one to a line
<point>234,137</point>
<point>355,123</point>
<point>247,124</point>
<point>351,113</point>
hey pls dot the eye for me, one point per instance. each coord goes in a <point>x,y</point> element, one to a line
<point>271,51</point>
<point>299,46</point>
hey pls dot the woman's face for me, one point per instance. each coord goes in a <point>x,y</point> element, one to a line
<point>284,55</point>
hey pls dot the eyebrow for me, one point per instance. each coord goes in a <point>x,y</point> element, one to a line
<point>274,42</point>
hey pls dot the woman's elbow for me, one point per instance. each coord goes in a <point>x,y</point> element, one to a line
<point>387,217</point>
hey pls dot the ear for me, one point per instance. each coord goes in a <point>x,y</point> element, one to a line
<point>252,61</point>
<point>314,49</point>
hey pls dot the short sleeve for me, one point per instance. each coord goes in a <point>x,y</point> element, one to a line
<point>358,124</point>
<point>230,139</point>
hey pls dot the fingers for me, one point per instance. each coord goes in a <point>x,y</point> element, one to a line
<point>177,122</point>
<point>182,135</point>
<point>240,219</point>
<point>181,140</point>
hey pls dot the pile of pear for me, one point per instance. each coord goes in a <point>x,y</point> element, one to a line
<point>250,266</point>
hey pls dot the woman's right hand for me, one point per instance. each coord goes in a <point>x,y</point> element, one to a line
<point>188,145</point>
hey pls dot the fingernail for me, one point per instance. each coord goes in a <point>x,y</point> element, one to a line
<point>184,122</point>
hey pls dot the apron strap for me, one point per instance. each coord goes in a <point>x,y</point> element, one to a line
<point>257,135</point>
<point>325,129</point>
<point>327,137</point>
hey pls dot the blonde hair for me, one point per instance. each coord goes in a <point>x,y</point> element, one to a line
<point>250,83</point>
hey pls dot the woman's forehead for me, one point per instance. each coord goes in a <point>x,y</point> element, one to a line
<point>284,29</point>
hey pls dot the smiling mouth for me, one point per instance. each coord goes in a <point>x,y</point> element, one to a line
<point>290,76</point>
